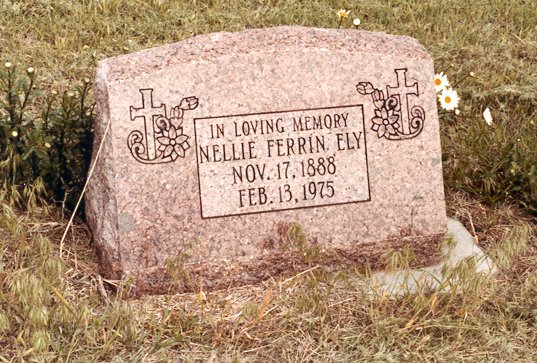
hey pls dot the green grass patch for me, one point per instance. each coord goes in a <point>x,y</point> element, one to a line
<point>63,40</point>
<point>56,307</point>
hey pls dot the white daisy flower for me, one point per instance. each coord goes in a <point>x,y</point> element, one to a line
<point>342,13</point>
<point>440,82</point>
<point>449,99</point>
<point>487,116</point>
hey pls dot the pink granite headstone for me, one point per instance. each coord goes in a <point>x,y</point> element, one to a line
<point>221,147</point>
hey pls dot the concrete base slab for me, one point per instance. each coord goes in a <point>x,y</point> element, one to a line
<point>462,248</point>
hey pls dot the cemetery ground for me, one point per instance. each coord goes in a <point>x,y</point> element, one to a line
<point>55,307</point>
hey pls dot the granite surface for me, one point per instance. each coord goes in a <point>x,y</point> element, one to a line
<point>197,172</point>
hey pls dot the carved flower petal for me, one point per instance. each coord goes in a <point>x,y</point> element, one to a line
<point>168,150</point>
<point>377,120</point>
<point>179,150</point>
<point>172,132</point>
<point>163,140</point>
<point>384,113</point>
<point>161,147</point>
<point>377,113</point>
<point>393,119</point>
<point>391,130</point>
<point>381,131</point>
<point>181,138</point>
<point>173,155</point>
<point>375,127</point>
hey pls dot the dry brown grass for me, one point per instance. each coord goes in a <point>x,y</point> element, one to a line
<point>313,316</point>
<point>57,308</point>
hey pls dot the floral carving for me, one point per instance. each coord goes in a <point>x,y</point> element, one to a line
<point>385,122</point>
<point>173,143</point>
<point>394,119</point>
<point>164,140</point>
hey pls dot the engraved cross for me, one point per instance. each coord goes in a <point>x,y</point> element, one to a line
<point>403,90</point>
<point>149,113</point>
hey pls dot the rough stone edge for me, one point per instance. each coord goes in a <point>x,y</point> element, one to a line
<point>100,198</point>
<point>208,47</point>
<point>282,264</point>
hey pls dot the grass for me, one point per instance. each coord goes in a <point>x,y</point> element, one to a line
<point>57,308</point>
<point>495,39</point>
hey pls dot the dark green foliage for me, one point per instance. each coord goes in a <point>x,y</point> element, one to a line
<point>498,162</point>
<point>45,139</point>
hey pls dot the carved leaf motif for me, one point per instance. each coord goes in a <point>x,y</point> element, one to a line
<point>365,88</point>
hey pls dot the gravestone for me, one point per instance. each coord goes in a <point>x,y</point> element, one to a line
<point>235,157</point>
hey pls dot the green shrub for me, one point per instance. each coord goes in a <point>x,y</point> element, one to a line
<point>498,162</point>
<point>45,139</point>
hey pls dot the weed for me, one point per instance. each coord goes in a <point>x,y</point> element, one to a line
<point>294,240</point>
<point>45,140</point>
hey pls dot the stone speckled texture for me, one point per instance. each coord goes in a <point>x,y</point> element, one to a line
<point>144,214</point>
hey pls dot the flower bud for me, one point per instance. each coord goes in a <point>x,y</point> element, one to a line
<point>48,145</point>
<point>70,94</point>
<point>86,80</point>
<point>14,133</point>
<point>30,70</point>
<point>8,65</point>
